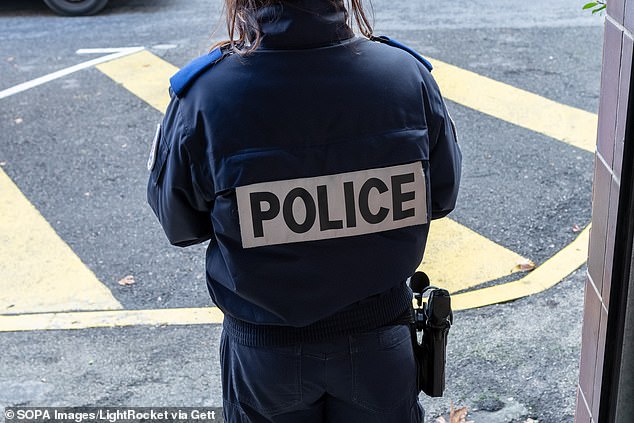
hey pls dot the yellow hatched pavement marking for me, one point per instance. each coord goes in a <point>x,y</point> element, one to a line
<point>547,275</point>
<point>564,123</point>
<point>147,76</point>
<point>486,260</point>
<point>144,75</point>
<point>477,259</point>
<point>458,258</point>
<point>107,319</point>
<point>38,270</point>
<point>551,272</point>
<point>474,259</point>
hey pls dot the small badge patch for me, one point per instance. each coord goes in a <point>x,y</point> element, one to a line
<point>154,150</point>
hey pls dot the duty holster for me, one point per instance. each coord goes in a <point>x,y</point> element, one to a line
<point>429,329</point>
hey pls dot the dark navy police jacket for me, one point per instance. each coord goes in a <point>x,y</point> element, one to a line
<point>313,167</point>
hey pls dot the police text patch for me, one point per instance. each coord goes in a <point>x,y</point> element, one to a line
<point>333,206</point>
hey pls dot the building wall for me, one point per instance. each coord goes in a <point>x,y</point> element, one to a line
<point>615,87</point>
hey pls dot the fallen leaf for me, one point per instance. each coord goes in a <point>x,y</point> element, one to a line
<point>525,265</point>
<point>576,228</point>
<point>128,280</point>
<point>456,416</point>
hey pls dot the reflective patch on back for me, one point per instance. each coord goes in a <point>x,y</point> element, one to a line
<point>151,161</point>
<point>333,206</point>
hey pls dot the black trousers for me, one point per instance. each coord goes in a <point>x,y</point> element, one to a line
<point>369,377</point>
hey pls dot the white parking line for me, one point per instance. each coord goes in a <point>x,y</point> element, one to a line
<point>105,50</point>
<point>115,54</point>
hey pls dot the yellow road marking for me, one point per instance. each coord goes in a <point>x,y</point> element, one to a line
<point>76,288</point>
<point>458,258</point>
<point>38,271</point>
<point>144,75</point>
<point>544,277</point>
<point>107,319</point>
<point>564,123</point>
<point>551,272</point>
<point>547,275</point>
<point>484,259</point>
<point>147,76</point>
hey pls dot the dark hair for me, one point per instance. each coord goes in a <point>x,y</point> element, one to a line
<point>241,19</point>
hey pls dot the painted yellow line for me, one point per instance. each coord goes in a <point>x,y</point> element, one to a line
<point>60,281</point>
<point>38,270</point>
<point>479,259</point>
<point>547,275</point>
<point>458,258</point>
<point>564,123</point>
<point>551,272</point>
<point>147,76</point>
<point>108,319</point>
<point>144,75</point>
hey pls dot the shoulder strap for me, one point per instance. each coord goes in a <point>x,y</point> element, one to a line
<point>387,40</point>
<point>188,74</point>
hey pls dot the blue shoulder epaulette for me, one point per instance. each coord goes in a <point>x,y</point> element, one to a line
<point>188,74</point>
<point>387,40</point>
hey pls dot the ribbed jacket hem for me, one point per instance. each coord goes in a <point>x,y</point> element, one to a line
<point>388,308</point>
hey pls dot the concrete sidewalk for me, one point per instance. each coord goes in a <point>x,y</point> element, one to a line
<point>507,363</point>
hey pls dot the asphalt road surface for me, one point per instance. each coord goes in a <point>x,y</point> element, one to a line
<point>76,148</point>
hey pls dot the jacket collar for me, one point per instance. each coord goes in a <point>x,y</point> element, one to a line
<point>303,24</point>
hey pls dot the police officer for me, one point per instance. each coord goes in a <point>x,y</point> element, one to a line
<point>313,161</point>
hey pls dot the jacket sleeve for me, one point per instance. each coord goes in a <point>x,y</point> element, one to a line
<point>445,157</point>
<point>180,187</point>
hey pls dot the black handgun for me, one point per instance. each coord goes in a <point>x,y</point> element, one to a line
<point>433,320</point>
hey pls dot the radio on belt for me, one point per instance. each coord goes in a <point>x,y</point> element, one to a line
<point>332,206</point>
